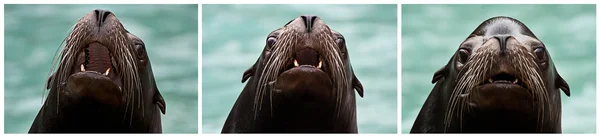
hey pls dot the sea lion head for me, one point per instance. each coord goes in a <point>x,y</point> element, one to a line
<point>501,79</point>
<point>304,66</point>
<point>104,63</point>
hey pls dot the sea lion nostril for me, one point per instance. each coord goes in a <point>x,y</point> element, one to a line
<point>502,39</point>
<point>309,20</point>
<point>101,16</point>
<point>97,13</point>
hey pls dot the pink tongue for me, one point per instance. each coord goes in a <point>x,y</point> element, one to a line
<point>99,59</point>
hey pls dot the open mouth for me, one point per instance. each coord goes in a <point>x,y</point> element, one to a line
<point>97,59</point>
<point>307,58</point>
<point>504,78</point>
<point>296,64</point>
<point>503,92</point>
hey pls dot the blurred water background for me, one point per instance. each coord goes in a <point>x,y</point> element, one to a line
<point>234,36</point>
<point>432,33</point>
<point>33,33</point>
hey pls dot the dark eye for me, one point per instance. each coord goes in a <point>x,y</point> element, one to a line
<point>341,42</point>
<point>463,55</point>
<point>271,41</point>
<point>140,50</point>
<point>540,53</point>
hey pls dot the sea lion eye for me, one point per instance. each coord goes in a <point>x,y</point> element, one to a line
<point>540,54</point>
<point>341,42</point>
<point>463,55</point>
<point>271,41</point>
<point>140,50</point>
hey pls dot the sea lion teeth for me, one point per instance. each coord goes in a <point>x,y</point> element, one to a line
<point>472,104</point>
<point>107,71</point>
<point>320,64</point>
<point>491,80</point>
<point>516,80</point>
<point>82,68</point>
<point>296,63</point>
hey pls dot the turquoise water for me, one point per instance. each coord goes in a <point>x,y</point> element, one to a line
<point>432,33</point>
<point>34,32</point>
<point>234,36</point>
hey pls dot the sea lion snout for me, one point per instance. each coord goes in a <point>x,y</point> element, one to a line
<point>501,45</point>
<point>309,20</point>
<point>502,42</point>
<point>101,16</point>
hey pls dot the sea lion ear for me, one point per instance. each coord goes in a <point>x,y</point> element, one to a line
<point>160,102</point>
<point>562,84</point>
<point>357,85</point>
<point>439,74</point>
<point>248,73</point>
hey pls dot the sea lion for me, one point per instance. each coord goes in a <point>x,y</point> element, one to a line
<point>500,80</point>
<point>103,84</point>
<point>301,83</point>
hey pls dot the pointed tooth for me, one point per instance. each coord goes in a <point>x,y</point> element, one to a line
<point>472,104</point>
<point>490,80</point>
<point>107,71</point>
<point>516,80</point>
<point>296,63</point>
<point>320,64</point>
<point>82,68</point>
